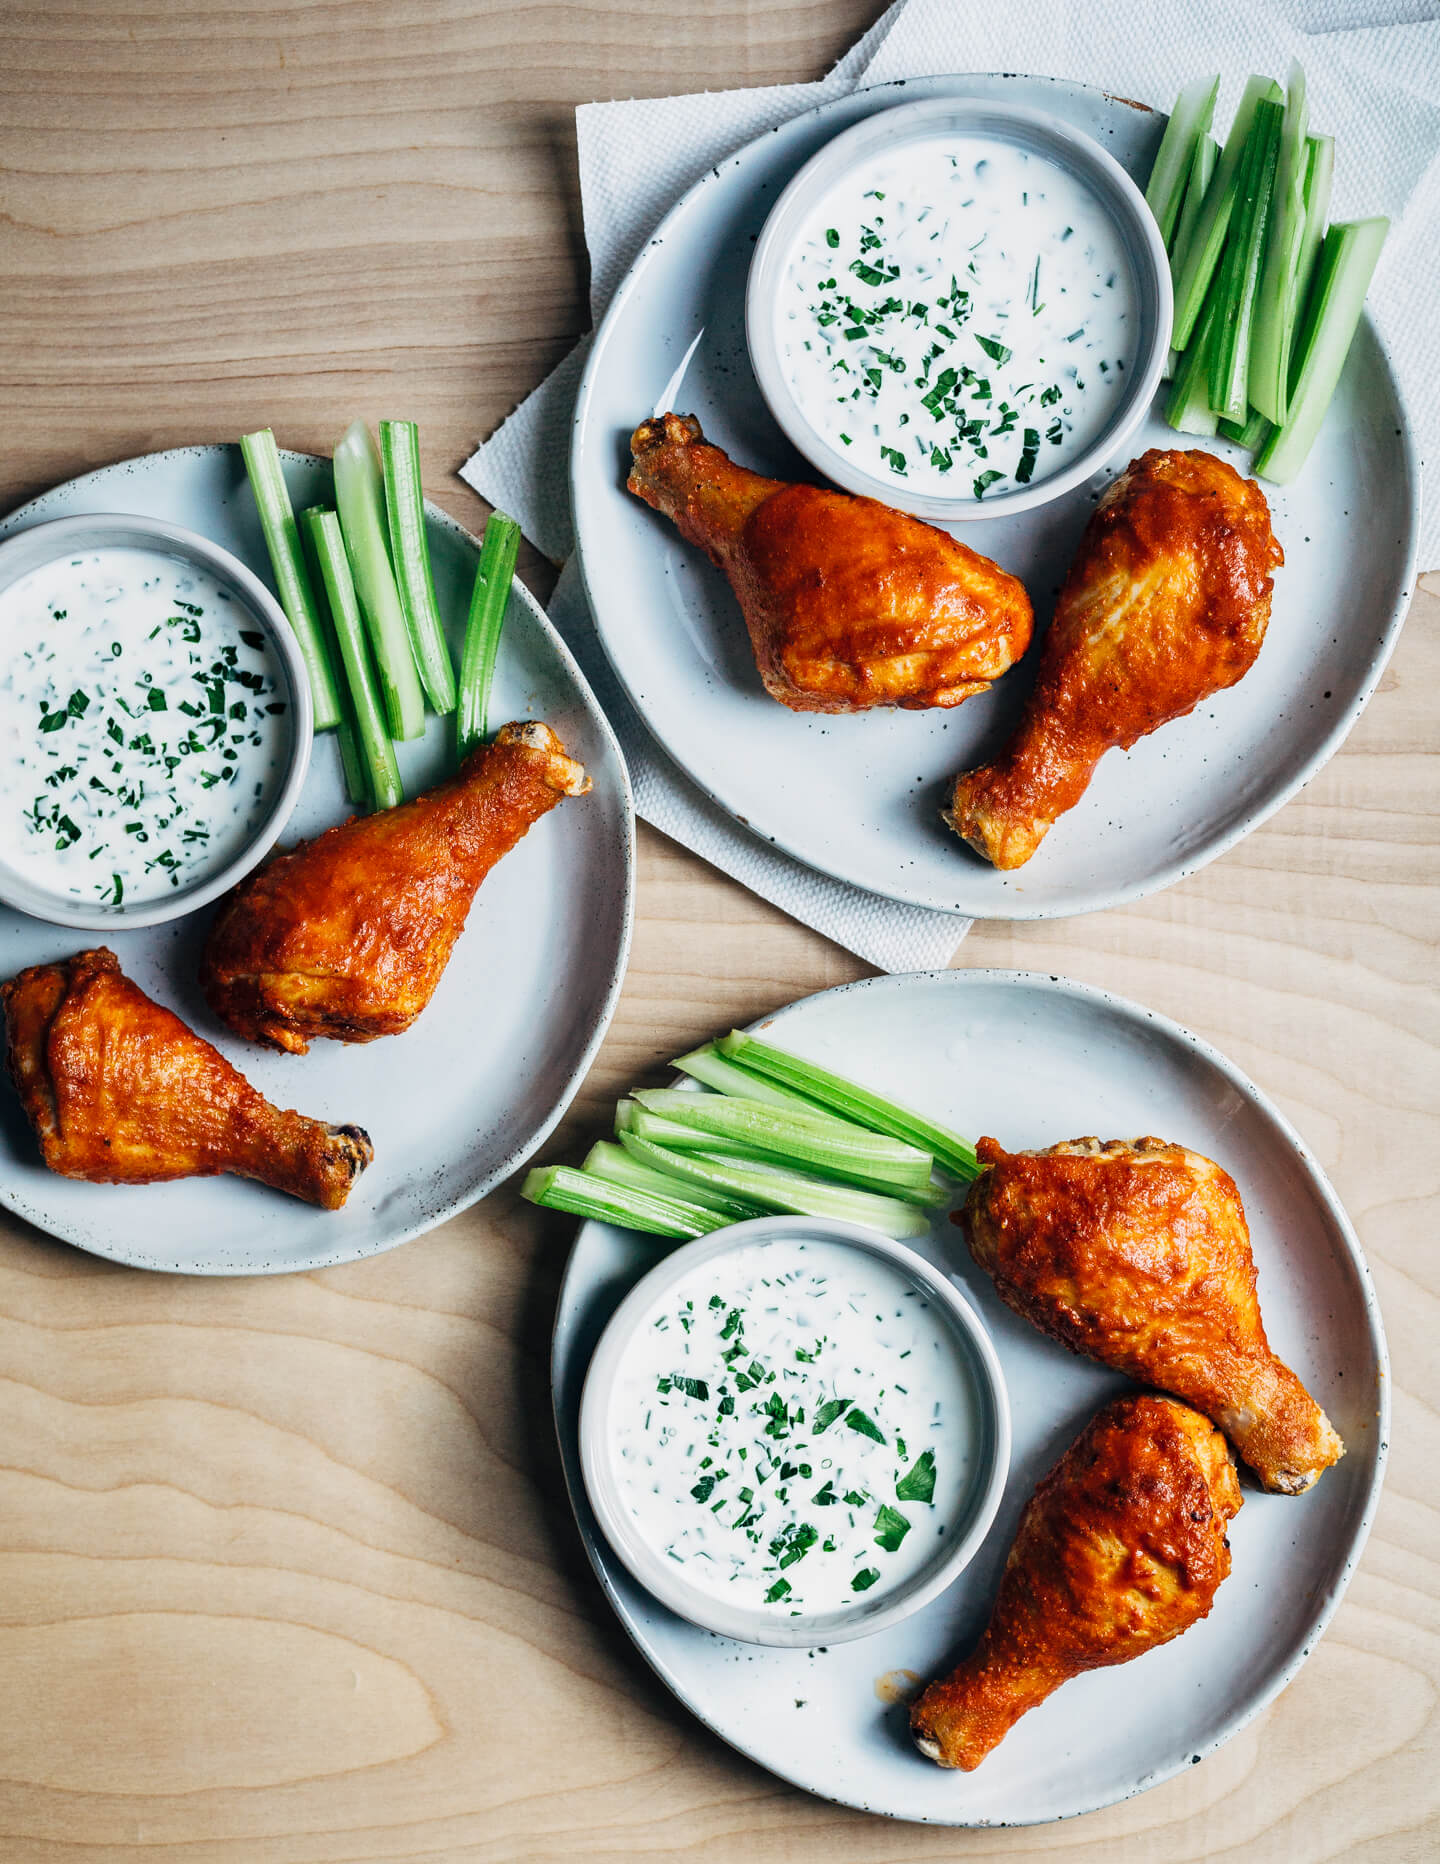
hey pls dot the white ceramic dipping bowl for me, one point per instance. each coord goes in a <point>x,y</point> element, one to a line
<point>40,544</point>
<point>966,1529</point>
<point>1033,131</point>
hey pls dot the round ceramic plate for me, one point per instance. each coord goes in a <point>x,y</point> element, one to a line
<point>466,1095</point>
<point>1034,1060</point>
<point>859,796</point>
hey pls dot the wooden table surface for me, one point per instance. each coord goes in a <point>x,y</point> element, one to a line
<point>286,1571</point>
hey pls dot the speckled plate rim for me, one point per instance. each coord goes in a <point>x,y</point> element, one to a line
<point>1044,984</point>
<point>673,743</point>
<point>512,1160</point>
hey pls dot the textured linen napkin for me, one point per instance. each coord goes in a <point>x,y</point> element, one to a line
<point>1373,68</point>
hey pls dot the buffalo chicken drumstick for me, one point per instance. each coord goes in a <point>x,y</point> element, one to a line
<point>120,1091</point>
<point>1137,1253</point>
<point>1120,1549</point>
<point>1166,603</point>
<point>347,936</point>
<point>849,604</point>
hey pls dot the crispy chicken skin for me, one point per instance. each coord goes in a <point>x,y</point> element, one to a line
<point>1166,603</point>
<point>1120,1549</point>
<point>1137,1253</point>
<point>347,936</point>
<point>849,604</point>
<point>120,1091</point>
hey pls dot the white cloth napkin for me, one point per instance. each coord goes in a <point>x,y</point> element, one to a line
<point>1373,68</point>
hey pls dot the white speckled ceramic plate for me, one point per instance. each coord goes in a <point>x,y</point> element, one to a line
<point>1034,1060</point>
<point>466,1095</point>
<point>859,797</point>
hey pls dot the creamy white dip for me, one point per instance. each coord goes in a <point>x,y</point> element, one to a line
<point>143,729</point>
<point>795,1426</point>
<point>960,315</point>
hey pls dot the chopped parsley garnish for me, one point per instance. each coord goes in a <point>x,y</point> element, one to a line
<point>865,1579</point>
<point>918,1482</point>
<point>891,1527</point>
<point>866,1425</point>
<point>794,1543</point>
<point>691,1388</point>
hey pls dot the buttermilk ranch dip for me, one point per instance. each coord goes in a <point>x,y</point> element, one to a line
<point>959,315</point>
<point>143,727</point>
<point>794,1426</point>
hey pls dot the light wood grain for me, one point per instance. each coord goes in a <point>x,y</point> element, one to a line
<point>286,1572</point>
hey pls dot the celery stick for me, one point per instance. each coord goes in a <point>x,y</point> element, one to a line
<point>951,1153</point>
<point>694,1139</point>
<point>1198,266</point>
<point>297,597</point>
<point>405,516</point>
<point>632,1118</point>
<point>1319,175</point>
<point>1342,277</point>
<point>375,745</point>
<point>1252,433</point>
<point>784,1190</point>
<point>496,570</point>
<point>352,759</point>
<point>799,1139</point>
<point>1202,168</point>
<point>1188,408</point>
<point>359,494</point>
<point>1189,122</point>
<point>561,1187</point>
<point>1241,266</point>
<point>352,765</point>
<point>1277,308</point>
<point>709,1066</point>
<point>614,1163</point>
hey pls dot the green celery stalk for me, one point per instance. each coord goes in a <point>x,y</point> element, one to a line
<point>1197,267</point>
<point>1319,177</point>
<point>561,1187</point>
<point>1188,408</point>
<point>297,597</point>
<point>799,1139</point>
<point>1243,259</point>
<point>1337,298</point>
<point>951,1153</point>
<point>1189,121</point>
<point>614,1163</point>
<point>1202,169</point>
<point>677,1138</point>
<point>352,763</point>
<point>783,1190</point>
<point>352,759</point>
<point>379,754</point>
<point>1277,309</point>
<point>360,497</point>
<point>633,1118</point>
<point>710,1067</point>
<point>1252,433</point>
<point>494,574</point>
<point>410,553</point>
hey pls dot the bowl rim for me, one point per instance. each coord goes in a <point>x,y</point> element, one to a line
<point>751,1626</point>
<point>1029,127</point>
<point>36,545</point>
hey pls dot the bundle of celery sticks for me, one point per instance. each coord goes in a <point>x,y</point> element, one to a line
<point>772,1133</point>
<point>1267,300</point>
<point>373,642</point>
